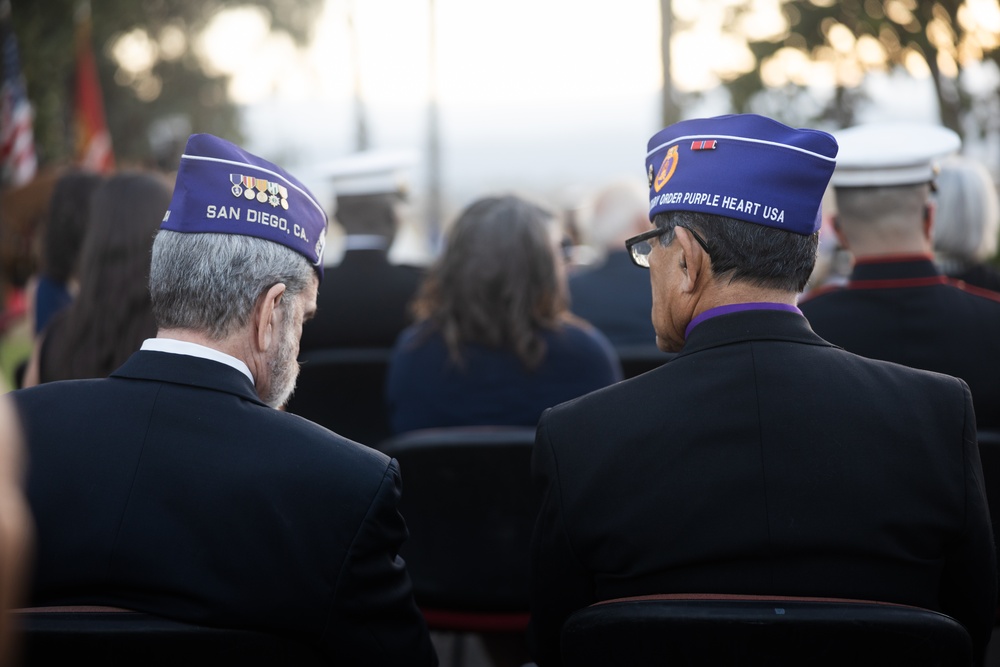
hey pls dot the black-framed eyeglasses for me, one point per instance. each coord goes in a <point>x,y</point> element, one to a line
<point>639,246</point>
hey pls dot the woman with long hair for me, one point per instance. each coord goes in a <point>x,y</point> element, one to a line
<point>111,314</point>
<point>62,237</point>
<point>494,342</point>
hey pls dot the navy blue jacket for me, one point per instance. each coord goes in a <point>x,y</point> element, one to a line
<point>171,489</point>
<point>425,389</point>
<point>363,302</point>
<point>615,297</point>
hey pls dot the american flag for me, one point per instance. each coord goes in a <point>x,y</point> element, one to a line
<point>17,143</point>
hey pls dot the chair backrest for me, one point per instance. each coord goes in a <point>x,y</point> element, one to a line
<point>344,390</point>
<point>703,630</point>
<point>989,453</point>
<point>467,500</point>
<point>115,636</point>
<point>637,359</point>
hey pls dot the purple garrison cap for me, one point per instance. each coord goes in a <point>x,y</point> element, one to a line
<point>221,188</point>
<point>742,166</point>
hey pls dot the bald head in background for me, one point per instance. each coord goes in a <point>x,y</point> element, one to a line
<point>897,305</point>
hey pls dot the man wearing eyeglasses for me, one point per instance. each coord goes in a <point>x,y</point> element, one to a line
<point>761,460</point>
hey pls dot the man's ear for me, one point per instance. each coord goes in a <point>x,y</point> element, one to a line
<point>265,316</point>
<point>930,213</point>
<point>695,264</point>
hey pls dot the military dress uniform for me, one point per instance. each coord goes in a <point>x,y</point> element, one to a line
<point>364,302</point>
<point>902,309</point>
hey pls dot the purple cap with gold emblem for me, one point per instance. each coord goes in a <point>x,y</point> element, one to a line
<point>222,188</point>
<point>741,166</point>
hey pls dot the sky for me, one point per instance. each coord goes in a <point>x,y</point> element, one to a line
<point>548,98</point>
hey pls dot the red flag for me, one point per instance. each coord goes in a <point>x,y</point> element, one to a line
<point>93,141</point>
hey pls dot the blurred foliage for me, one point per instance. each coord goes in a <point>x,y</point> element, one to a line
<point>177,88</point>
<point>887,36</point>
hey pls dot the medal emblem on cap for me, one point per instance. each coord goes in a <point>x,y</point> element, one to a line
<point>272,191</point>
<point>205,166</point>
<point>666,169</point>
<point>248,183</point>
<point>649,175</point>
<point>320,247</point>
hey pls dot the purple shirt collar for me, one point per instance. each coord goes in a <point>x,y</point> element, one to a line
<point>736,308</point>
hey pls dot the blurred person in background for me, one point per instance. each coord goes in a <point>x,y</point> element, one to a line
<point>62,237</point>
<point>896,305</point>
<point>111,315</point>
<point>494,342</point>
<point>612,295</point>
<point>833,262</point>
<point>365,303</point>
<point>967,222</point>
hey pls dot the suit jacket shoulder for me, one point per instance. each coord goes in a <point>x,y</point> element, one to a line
<point>172,489</point>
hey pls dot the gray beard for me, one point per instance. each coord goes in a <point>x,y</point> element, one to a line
<point>284,371</point>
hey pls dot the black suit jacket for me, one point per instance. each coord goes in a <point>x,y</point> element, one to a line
<point>904,310</point>
<point>171,489</point>
<point>763,460</point>
<point>363,302</point>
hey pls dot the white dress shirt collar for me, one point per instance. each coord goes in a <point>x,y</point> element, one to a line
<point>365,242</point>
<point>174,346</point>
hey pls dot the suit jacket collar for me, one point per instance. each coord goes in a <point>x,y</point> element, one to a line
<point>895,267</point>
<point>187,370</point>
<point>751,325</point>
<point>364,256</point>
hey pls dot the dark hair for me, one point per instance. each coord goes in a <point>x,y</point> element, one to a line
<point>66,224</point>
<point>111,316</point>
<point>368,214</point>
<point>497,282</point>
<point>746,252</point>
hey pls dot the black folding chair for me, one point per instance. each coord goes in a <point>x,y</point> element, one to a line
<point>115,636</point>
<point>759,631</point>
<point>344,390</point>
<point>989,453</point>
<point>467,500</point>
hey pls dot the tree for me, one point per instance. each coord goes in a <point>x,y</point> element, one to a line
<point>847,39</point>
<point>176,85</point>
